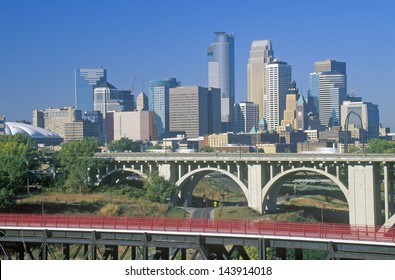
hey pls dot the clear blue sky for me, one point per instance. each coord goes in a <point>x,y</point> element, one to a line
<point>43,41</point>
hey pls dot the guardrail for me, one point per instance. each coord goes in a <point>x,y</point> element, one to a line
<point>245,227</point>
<point>248,156</point>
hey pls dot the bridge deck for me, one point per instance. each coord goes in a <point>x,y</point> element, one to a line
<point>363,234</point>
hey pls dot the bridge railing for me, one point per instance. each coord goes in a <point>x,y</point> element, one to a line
<point>243,227</point>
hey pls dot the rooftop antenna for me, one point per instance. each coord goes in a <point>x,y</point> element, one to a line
<point>142,82</point>
<point>134,80</point>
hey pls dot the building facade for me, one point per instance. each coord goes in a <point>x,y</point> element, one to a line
<point>328,89</point>
<point>142,102</point>
<point>97,118</point>
<point>79,130</point>
<point>54,119</point>
<point>247,116</point>
<point>108,98</point>
<point>190,111</point>
<point>85,82</point>
<point>159,103</point>
<point>290,114</point>
<point>221,74</point>
<point>278,80</point>
<point>365,112</point>
<point>2,125</point>
<point>136,125</point>
<point>261,54</point>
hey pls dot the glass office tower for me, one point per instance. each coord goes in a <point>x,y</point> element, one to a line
<point>221,74</point>
<point>85,82</point>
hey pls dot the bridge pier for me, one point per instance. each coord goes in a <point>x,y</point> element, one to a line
<point>364,196</point>
<point>255,183</point>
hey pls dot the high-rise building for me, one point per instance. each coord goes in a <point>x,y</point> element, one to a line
<point>221,74</point>
<point>292,97</point>
<point>108,98</point>
<point>365,112</point>
<point>85,82</point>
<point>328,89</point>
<point>54,119</point>
<point>159,103</point>
<point>301,114</point>
<point>190,111</point>
<point>261,54</point>
<point>247,116</point>
<point>278,79</point>
<point>2,125</point>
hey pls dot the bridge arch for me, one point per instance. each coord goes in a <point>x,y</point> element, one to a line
<point>206,170</point>
<point>131,170</point>
<point>272,187</point>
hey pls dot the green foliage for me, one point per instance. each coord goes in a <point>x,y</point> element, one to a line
<point>158,189</point>
<point>124,144</point>
<point>17,154</point>
<point>381,146</point>
<point>76,161</point>
<point>207,149</point>
<point>155,147</point>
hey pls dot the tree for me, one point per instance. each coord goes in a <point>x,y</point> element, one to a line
<point>124,144</point>
<point>158,189</point>
<point>380,146</point>
<point>17,155</point>
<point>76,161</point>
<point>207,149</point>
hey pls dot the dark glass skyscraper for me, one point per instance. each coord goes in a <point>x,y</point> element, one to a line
<point>221,74</point>
<point>85,82</point>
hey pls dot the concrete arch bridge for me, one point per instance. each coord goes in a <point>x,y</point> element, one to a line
<point>367,181</point>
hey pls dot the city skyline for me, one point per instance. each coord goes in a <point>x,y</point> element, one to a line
<point>45,43</point>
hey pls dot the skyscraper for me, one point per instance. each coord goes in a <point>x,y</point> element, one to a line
<point>290,111</point>
<point>190,110</point>
<point>108,98</point>
<point>221,74</point>
<point>261,54</point>
<point>247,116</point>
<point>328,86</point>
<point>278,79</point>
<point>85,82</point>
<point>159,102</point>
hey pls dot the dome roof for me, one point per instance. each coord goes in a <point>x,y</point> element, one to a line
<point>12,128</point>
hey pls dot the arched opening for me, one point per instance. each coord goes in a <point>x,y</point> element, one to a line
<point>210,187</point>
<point>122,176</point>
<point>314,193</point>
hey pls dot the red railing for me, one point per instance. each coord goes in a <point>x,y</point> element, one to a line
<point>245,227</point>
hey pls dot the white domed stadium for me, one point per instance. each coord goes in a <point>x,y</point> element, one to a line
<point>37,134</point>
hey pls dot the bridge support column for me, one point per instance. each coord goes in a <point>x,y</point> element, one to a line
<point>386,194</point>
<point>362,195</point>
<point>238,171</point>
<point>271,171</point>
<point>255,182</point>
<point>167,171</point>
